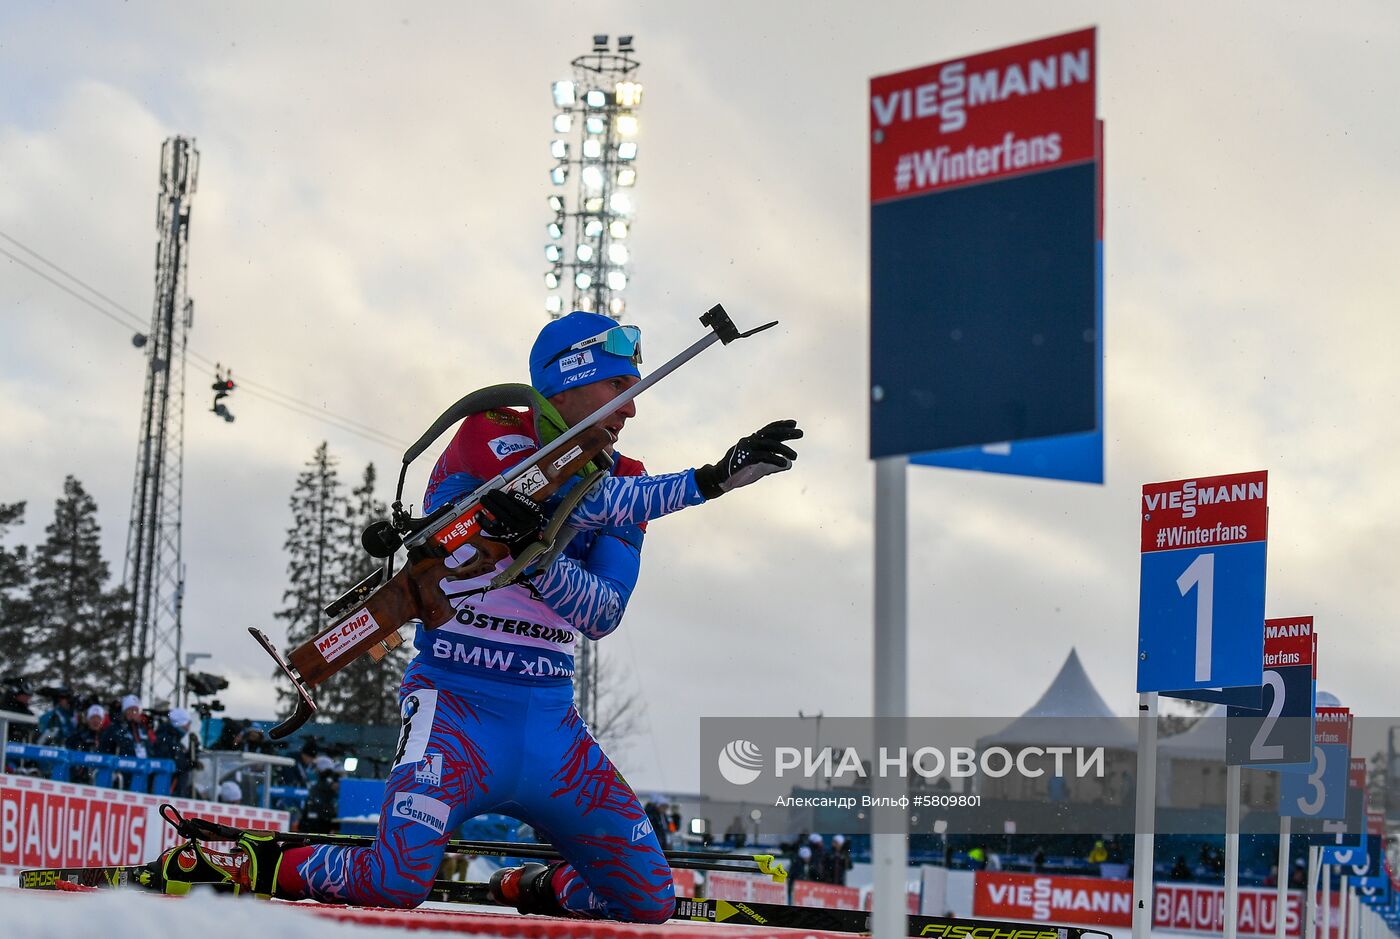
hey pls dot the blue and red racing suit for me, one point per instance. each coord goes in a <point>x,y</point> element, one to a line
<point>489,723</point>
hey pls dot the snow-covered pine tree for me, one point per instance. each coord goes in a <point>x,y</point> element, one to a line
<point>15,611</point>
<point>364,692</point>
<point>314,546</point>
<point>78,633</point>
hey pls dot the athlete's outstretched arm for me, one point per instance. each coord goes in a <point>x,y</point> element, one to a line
<point>633,500</point>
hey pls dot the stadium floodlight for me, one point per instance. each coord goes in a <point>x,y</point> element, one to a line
<point>628,94</point>
<point>594,148</point>
<point>600,42</point>
<point>624,43</point>
<point>554,304</point>
<point>563,94</point>
<point>553,254</point>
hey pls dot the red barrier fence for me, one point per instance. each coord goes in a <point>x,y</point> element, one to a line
<point>1094,901</point>
<point>1088,900</point>
<point>53,824</point>
<point>1201,908</point>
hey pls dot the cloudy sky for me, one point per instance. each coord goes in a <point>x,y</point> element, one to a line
<point>367,237</point>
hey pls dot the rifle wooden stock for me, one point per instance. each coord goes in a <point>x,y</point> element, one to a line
<point>415,591</point>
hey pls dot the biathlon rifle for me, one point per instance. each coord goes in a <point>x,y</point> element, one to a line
<point>448,542</point>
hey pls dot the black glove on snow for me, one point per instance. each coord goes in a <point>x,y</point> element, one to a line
<point>752,458</point>
<point>514,519</point>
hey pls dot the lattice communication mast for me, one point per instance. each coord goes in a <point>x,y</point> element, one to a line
<point>595,146</point>
<point>154,571</point>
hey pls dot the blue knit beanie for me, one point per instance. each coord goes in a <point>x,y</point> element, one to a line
<point>554,369</point>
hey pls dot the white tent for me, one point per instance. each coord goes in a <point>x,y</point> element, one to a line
<point>1071,712</point>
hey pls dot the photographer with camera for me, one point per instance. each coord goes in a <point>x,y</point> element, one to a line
<point>323,799</point>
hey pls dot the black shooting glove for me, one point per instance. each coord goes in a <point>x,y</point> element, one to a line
<point>749,460</point>
<point>512,518</point>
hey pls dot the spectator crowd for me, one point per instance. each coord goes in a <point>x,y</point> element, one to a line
<point>120,727</point>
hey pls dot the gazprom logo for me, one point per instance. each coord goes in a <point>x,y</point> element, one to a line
<point>424,810</point>
<point>740,762</point>
<point>510,443</point>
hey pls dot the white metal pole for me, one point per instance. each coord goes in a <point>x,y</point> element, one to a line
<point>1144,828</point>
<point>1310,905</point>
<point>1343,910</point>
<point>1326,901</point>
<point>890,825</point>
<point>1232,851</point>
<point>1285,833</point>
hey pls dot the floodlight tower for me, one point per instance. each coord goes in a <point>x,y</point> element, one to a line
<point>595,130</point>
<point>154,571</point>
<point>595,145</point>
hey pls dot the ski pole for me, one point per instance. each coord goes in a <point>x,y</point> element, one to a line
<point>765,864</point>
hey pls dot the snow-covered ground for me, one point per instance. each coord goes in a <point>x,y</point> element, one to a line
<point>124,914</point>
<point>127,914</point>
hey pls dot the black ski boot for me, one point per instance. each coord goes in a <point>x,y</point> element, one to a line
<point>261,856</point>
<point>252,866</point>
<point>190,864</point>
<point>529,888</point>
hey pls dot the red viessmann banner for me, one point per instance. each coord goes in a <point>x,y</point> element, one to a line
<point>1206,511</point>
<point>1086,900</point>
<point>1021,109</point>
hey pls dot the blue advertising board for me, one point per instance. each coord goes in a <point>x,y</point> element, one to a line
<point>985,250</point>
<point>1201,596</point>
<point>1278,735</point>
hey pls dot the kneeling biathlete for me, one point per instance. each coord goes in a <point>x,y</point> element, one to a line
<point>488,719</point>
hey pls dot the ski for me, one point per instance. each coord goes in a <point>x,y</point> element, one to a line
<point>786,916</point>
<point>688,909</point>
<point>766,864</point>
